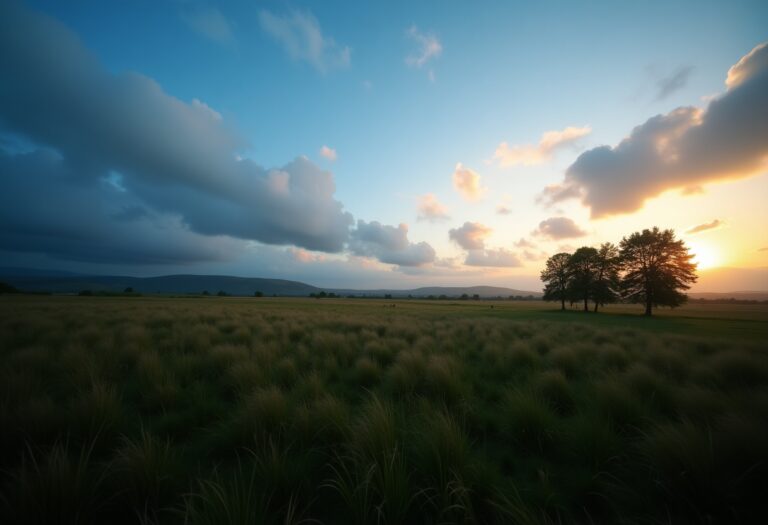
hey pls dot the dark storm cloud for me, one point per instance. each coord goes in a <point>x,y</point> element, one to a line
<point>682,149</point>
<point>389,244</point>
<point>177,158</point>
<point>45,208</point>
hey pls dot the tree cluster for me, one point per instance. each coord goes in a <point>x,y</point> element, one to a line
<point>651,267</point>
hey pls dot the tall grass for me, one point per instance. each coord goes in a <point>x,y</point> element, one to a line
<point>275,411</point>
<point>60,485</point>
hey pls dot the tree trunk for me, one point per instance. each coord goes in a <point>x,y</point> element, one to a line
<point>596,306</point>
<point>562,303</point>
<point>648,308</point>
<point>586,304</point>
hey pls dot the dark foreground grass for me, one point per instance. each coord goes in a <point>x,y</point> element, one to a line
<point>151,410</point>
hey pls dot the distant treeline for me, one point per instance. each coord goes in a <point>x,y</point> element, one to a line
<point>441,297</point>
<point>728,300</point>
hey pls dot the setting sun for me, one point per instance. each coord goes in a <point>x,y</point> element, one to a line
<point>705,255</point>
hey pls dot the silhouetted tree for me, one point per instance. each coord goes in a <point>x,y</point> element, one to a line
<point>556,276</point>
<point>657,267</point>
<point>258,294</point>
<point>607,266</point>
<point>582,267</point>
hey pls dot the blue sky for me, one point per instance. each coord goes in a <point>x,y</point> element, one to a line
<point>403,92</point>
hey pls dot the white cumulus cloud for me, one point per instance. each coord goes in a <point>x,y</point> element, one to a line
<point>531,154</point>
<point>467,182</point>
<point>328,153</point>
<point>431,209</point>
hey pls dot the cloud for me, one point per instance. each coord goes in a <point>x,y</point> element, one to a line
<point>524,243</point>
<point>467,182</point>
<point>492,258</point>
<point>534,256</point>
<point>530,154</point>
<point>42,210</point>
<point>706,226</point>
<point>328,153</point>
<point>210,23</point>
<point>389,244</point>
<point>764,249</point>
<point>430,209</point>
<point>206,109</point>
<point>753,63</point>
<point>692,190</point>
<point>429,47</point>
<point>470,236</point>
<point>176,159</point>
<point>306,256</point>
<point>684,148</point>
<point>300,35</point>
<point>667,85</point>
<point>559,228</point>
<point>503,209</point>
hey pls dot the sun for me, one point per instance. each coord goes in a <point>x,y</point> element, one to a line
<point>705,255</point>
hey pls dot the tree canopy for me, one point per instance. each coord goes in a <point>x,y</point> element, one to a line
<point>651,267</point>
<point>556,275</point>
<point>581,283</point>
<point>657,266</point>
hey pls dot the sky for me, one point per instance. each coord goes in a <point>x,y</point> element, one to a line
<point>380,144</point>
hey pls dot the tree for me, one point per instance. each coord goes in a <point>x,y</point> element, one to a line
<point>258,293</point>
<point>582,266</point>
<point>556,276</point>
<point>657,267</point>
<point>607,266</point>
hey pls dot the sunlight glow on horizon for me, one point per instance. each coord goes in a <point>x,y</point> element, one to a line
<point>705,255</point>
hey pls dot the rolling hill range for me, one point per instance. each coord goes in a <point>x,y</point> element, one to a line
<point>34,280</point>
<point>30,280</point>
<point>168,284</point>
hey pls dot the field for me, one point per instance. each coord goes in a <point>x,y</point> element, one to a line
<point>227,410</point>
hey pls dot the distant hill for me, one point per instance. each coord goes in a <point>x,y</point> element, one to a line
<point>168,284</point>
<point>31,280</point>
<point>35,280</point>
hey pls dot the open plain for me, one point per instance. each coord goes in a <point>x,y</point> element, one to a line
<point>275,410</point>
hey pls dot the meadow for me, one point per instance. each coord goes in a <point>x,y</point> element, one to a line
<point>265,410</point>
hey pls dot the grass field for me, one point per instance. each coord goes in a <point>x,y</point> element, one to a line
<point>227,410</point>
